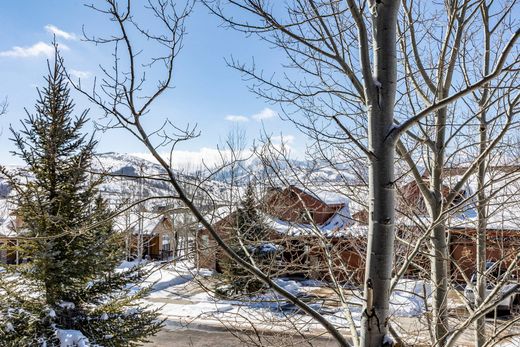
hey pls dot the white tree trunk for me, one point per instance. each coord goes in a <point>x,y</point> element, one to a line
<point>480,324</point>
<point>439,253</point>
<point>380,252</point>
<point>439,264</point>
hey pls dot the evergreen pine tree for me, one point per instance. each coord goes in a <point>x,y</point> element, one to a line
<point>249,225</point>
<point>248,232</point>
<point>70,281</point>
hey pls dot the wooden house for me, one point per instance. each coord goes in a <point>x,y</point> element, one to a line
<point>309,229</point>
<point>323,233</point>
<point>149,235</point>
<point>502,227</point>
<point>298,205</point>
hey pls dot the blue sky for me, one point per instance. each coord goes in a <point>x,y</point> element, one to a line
<point>206,92</point>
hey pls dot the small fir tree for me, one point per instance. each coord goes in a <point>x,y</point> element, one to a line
<point>249,226</point>
<point>70,280</point>
<point>248,233</point>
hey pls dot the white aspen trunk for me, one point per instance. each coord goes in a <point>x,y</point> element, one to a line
<point>128,236</point>
<point>140,241</point>
<point>439,264</point>
<point>380,251</point>
<point>480,324</point>
<point>439,253</point>
<point>140,237</point>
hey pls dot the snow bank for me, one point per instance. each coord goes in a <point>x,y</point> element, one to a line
<point>408,298</point>
<point>72,338</point>
<point>127,265</point>
<point>291,286</point>
<point>181,301</point>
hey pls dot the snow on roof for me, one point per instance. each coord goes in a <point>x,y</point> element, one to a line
<point>135,221</point>
<point>125,222</point>
<point>339,220</point>
<point>299,229</point>
<point>289,228</point>
<point>356,207</point>
<point>503,191</point>
<point>339,225</point>
<point>150,221</point>
<point>217,214</point>
<point>505,219</point>
<point>328,195</point>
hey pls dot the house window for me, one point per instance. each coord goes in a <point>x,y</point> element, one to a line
<point>166,242</point>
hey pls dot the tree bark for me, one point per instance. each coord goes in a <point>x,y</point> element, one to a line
<point>378,272</point>
<point>439,263</point>
<point>439,253</point>
<point>480,324</point>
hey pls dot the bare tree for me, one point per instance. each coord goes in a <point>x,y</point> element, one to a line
<point>437,132</point>
<point>126,98</point>
<point>3,109</point>
<point>486,126</point>
<point>349,87</point>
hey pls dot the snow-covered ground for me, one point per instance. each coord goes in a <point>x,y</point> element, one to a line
<point>186,300</point>
<point>71,338</point>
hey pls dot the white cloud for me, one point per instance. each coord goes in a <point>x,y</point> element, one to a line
<point>60,33</point>
<point>285,139</point>
<point>266,113</point>
<point>234,118</point>
<point>79,73</point>
<point>39,48</point>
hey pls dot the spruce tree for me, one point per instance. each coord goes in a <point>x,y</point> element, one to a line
<point>70,280</point>
<point>249,225</point>
<point>248,232</point>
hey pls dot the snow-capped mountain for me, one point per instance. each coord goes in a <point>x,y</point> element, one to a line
<point>125,177</point>
<point>292,172</point>
<point>129,178</point>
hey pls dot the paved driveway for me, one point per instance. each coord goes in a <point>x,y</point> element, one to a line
<point>198,338</point>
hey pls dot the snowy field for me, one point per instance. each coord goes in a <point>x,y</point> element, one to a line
<point>187,301</point>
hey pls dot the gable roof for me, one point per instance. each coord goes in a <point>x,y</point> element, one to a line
<point>326,196</point>
<point>136,221</point>
<point>337,225</point>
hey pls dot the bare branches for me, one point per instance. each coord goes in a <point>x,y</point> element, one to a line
<point>342,94</point>
<point>352,138</point>
<point>122,85</point>
<point>122,89</point>
<point>499,68</point>
<point>3,107</point>
<point>510,112</point>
